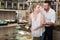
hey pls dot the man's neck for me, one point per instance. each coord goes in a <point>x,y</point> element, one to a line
<point>47,10</point>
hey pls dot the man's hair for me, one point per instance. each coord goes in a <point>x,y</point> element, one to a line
<point>49,2</point>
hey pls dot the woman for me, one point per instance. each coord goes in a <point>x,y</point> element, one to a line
<point>36,20</point>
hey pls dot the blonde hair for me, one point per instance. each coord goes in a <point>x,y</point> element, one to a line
<point>31,8</point>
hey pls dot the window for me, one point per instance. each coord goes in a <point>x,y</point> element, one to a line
<point>15,6</point>
<point>3,5</point>
<point>9,4</point>
<point>59,8</point>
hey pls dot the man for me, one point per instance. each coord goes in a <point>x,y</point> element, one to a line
<point>49,19</point>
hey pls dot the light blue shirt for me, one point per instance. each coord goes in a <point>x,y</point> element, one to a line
<point>49,16</point>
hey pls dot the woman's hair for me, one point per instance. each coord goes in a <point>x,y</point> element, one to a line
<point>31,8</point>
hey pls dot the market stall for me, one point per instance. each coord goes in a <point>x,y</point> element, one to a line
<point>7,24</point>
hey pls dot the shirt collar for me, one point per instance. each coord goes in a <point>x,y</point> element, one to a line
<point>48,11</point>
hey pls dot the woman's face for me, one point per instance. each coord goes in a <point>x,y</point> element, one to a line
<point>37,9</point>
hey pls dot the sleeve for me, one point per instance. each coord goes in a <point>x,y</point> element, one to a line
<point>53,17</point>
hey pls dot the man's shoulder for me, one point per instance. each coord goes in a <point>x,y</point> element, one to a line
<point>42,11</point>
<point>52,10</point>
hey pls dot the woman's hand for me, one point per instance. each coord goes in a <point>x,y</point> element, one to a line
<point>37,28</point>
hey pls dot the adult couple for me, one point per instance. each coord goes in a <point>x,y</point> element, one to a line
<point>41,21</point>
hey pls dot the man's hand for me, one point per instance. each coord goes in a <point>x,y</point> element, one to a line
<point>49,23</point>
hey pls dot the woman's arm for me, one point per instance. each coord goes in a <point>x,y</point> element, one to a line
<point>42,22</point>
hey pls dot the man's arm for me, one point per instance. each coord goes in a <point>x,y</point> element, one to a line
<point>52,19</point>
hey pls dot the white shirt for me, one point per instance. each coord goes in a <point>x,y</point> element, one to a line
<point>36,23</point>
<point>49,16</point>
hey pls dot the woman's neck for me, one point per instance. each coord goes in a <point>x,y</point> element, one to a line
<point>35,12</point>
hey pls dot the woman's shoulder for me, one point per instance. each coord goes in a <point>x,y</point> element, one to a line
<point>41,14</point>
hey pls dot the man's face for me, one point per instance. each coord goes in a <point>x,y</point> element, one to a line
<point>45,6</point>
